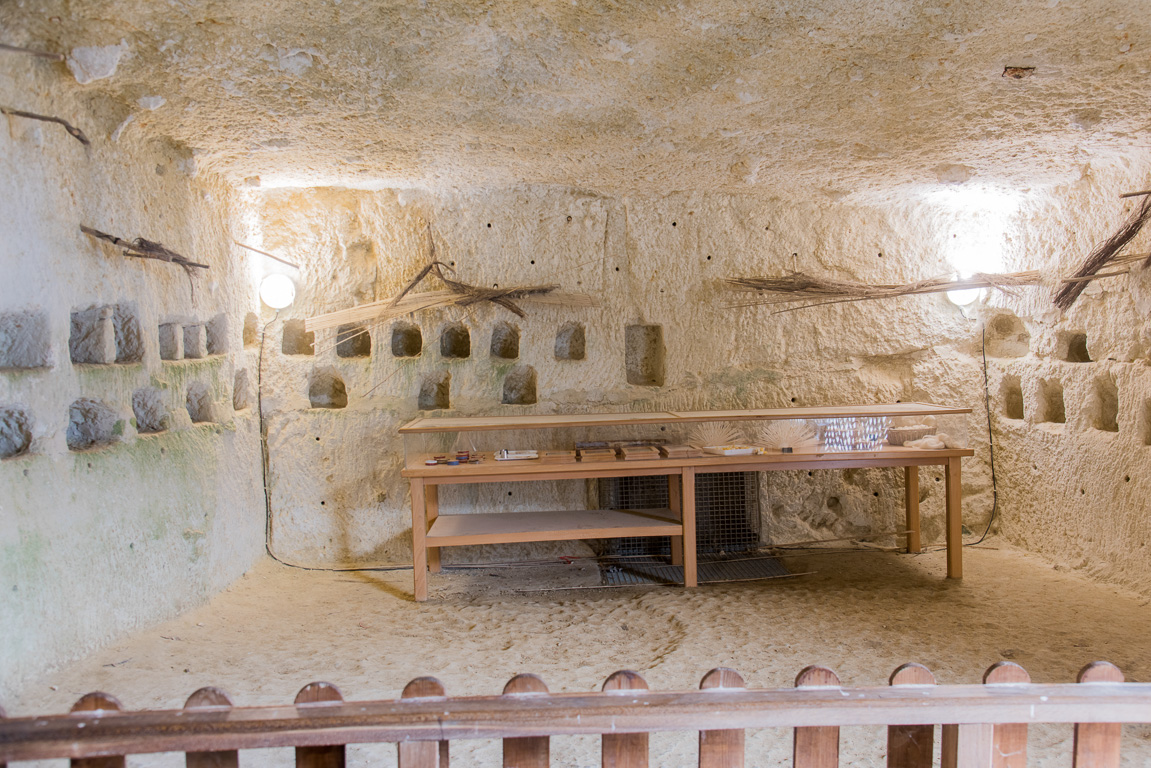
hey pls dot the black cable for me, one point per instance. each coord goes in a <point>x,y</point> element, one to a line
<point>990,447</point>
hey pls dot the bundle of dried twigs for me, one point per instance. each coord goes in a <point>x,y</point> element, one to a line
<point>1104,253</point>
<point>142,248</point>
<point>797,286</point>
<point>458,294</point>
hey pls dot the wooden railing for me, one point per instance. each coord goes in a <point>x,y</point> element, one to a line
<point>983,725</point>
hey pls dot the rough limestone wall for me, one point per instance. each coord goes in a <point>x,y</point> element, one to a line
<point>116,510</point>
<point>337,496</point>
<point>1071,392</point>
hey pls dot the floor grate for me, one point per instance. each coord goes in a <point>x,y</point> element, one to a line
<point>647,571</point>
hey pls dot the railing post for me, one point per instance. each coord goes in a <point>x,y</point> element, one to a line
<point>721,748</point>
<point>624,750</point>
<point>816,746</point>
<point>532,751</point>
<point>319,757</point>
<point>423,754</point>
<point>910,746</point>
<point>211,699</point>
<point>1097,744</point>
<point>97,701</point>
<point>1009,741</point>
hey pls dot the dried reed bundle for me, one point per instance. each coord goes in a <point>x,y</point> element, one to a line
<point>713,433</point>
<point>797,286</point>
<point>458,294</point>
<point>1104,253</point>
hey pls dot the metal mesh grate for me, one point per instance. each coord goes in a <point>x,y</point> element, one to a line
<point>726,512</point>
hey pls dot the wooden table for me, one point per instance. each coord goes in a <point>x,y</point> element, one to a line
<point>431,531</point>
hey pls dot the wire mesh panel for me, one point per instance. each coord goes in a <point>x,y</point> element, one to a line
<point>726,512</point>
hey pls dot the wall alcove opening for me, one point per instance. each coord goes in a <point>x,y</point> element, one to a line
<point>92,337</point>
<point>353,341</point>
<point>505,343</point>
<point>571,342</point>
<point>15,432</point>
<point>216,331</point>
<point>1011,393</point>
<point>327,390</point>
<point>1105,405</point>
<point>171,337</point>
<point>520,386</point>
<point>435,392</point>
<point>24,340</point>
<point>251,329</point>
<point>645,355</point>
<point>91,424</point>
<point>407,341</point>
<point>195,341</point>
<point>297,341</point>
<point>456,342</point>
<point>1051,406</point>
<point>150,411</point>
<point>241,391</point>
<point>1071,346</point>
<point>199,403</point>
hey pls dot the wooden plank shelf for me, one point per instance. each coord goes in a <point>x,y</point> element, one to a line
<point>512,527</point>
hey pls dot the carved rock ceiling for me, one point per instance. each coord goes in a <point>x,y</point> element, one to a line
<point>805,98</point>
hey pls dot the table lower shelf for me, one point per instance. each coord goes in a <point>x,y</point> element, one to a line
<point>512,527</point>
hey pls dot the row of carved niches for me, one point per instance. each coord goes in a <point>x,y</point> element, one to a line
<point>95,422</point>
<point>454,341</point>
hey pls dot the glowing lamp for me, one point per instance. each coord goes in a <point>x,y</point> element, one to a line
<point>277,291</point>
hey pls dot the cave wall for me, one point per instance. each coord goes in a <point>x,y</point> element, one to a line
<point>130,486</point>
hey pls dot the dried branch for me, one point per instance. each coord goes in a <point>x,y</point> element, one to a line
<point>32,52</point>
<point>73,130</point>
<point>265,253</point>
<point>142,248</point>
<point>1103,253</point>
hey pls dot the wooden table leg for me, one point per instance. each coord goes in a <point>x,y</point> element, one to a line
<point>675,501</point>
<point>911,503</point>
<point>687,499</point>
<point>954,520</point>
<point>419,547</point>
<point>431,512</point>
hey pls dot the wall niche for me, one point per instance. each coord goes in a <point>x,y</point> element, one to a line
<point>15,432</point>
<point>1071,346</point>
<point>1146,427</point>
<point>435,392</point>
<point>1051,406</point>
<point>297,341</point>
<point>91,424</point>
<point>92,338</point>
<point>171,341</point>
<point>241,391</point>
<point>505,341</point>
<point>199,403</point>
<point>456,342</point>
<point>216,335</point>
<point>571,342</point>
<point>195,342</point>
<point>353,341</point>
<point>407,341</point>
<point>520,386</point>
<point>24,340</point>
<point>150,411</point>
<point>645,355</point>
<point>1011,393</point>
<point>1105,405</point>
<point>1007,336</point>
<point>327,390</point>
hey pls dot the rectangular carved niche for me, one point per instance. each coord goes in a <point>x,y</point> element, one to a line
<point>644,356</point>
<point>1011,392</point>
<point>24,340</point>
<point>93,337</point>
<point>1105,405</point>
<point>1051,407</point>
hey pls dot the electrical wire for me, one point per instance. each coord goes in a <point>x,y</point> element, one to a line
<point>990,448</point>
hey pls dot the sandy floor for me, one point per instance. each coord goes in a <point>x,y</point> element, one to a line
<point>862,614</point>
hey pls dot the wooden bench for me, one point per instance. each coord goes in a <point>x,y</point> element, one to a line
<point>984,726</point>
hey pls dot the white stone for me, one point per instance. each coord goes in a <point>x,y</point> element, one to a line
<point>91,63</point>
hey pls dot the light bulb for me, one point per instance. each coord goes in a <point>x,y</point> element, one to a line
<point>277,291</point>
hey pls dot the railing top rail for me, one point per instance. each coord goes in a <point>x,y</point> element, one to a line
<point>90,734</point>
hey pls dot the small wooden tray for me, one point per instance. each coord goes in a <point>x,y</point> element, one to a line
<point>639,452</point>
<point>596,454</point>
